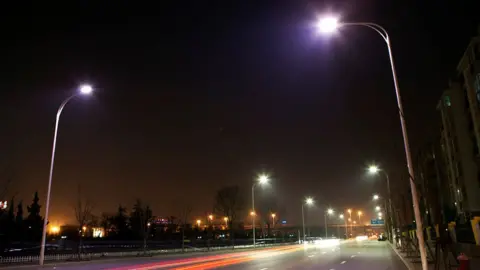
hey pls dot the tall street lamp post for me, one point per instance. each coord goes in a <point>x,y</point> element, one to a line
<point>342,216</point>
<point>330,24</point>
<point>327,213</point>
<point>308,201</point>
<point>374,170</point>
<point>261,179</point>
<point>82,90</point>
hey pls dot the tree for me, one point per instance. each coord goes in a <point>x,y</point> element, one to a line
<point>34,221</point>
<point>106,222</point>
<point>83,214</point>
<point>19,223</point>
<point>140,221</point>
<point>120,222</point>
<point>228,202</point>
<point>184,216</point>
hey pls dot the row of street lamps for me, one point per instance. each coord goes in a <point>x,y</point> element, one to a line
<point>324,25</point>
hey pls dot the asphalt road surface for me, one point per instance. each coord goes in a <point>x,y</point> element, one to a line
<point>366,255</point>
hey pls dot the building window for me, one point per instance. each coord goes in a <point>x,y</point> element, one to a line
<point>447,101</point>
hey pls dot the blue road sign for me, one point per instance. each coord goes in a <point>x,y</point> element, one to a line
<point>377,222</point>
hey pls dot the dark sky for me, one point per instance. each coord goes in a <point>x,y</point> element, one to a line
<point>195,95</point>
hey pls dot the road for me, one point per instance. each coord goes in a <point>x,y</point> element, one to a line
<point>366,255</point>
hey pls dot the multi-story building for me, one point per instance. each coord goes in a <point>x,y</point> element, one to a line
<point>458,150</point>
<point>469,80</point>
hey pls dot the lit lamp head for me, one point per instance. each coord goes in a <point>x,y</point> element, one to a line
<point>377,208</point>
<point>309,201</point>
<point>327,25</point>
<point>373,169</point>
<point>376,197</point>
<point>273,215</point>
<point>341,216</point>
<point>349,211</point>
<point>85,89</point>
<point>252,213</point>
<point>263,179</point>
<point>225,218</point>
<point>330,211</point>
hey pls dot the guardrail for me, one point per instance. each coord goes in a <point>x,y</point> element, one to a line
<point>139,253</point>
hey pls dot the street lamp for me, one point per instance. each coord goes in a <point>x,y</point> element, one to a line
<point>359,215</point>
<point>342,216</point>
<point>210,217</point>
<point>82,90</point>
<point>262,179</point>
<point>226,221</point>
<point>374,170</point>
<point>329,212</point>
<point>308,201</point>
<point>329,25</point>
<point>273,219</point>
<point>350,219</point>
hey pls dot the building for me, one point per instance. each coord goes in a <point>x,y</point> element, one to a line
<point>469,79</point>
<point>458,149</point>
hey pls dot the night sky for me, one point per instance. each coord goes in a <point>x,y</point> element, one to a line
<point>196,95</point>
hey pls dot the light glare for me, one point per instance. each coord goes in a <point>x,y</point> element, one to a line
<point>263,179</point>
<point>86,89</point>
<point>309,201</point>
<point>373,169</point>
<point>327,25</point>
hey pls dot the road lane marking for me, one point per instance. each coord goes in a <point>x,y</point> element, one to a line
<point>264,269</point>
<point>353,256</point>
<point>310,256</point>
<point>343,262</point>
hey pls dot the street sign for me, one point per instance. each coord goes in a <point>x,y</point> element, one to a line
<point>377,222</point>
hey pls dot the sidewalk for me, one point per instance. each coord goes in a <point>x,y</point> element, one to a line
<point>412,263</point>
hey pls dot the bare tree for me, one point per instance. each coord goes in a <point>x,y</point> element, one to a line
<point>141,221</point>
<point>83,214</point>
<point>184,216</point>
<point>228,202</point>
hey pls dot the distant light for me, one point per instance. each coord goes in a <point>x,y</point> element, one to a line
<point>376,197</point>
<point>252,213</point>
<point>54,229</point>
<point>210,217</point>
<point>341,216</point>
<point>330,211</point>
<point>225,218</point>
<point>327,25</point>
<point>380,214</point>
<point>86,89</point>
<point>349,210</point>
<point>273,215</point>
<point>199,222</point>
<point>309,201</point>
<point>373,169</point>
<point>263,179</point>
<point>359,213</point>
<point>377,208</point>
<point>284,222</point>
<point>84,228</point>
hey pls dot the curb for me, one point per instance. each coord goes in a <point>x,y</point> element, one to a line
<point>408,264</point>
